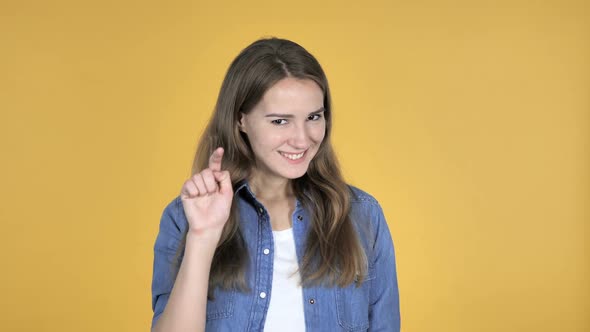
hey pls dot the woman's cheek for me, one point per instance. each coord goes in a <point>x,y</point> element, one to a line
<point>320,133</point>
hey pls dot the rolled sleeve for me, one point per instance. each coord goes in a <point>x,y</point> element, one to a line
<point>173,225</point>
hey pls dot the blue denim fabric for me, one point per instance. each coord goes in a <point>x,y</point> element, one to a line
<point>374,306</point>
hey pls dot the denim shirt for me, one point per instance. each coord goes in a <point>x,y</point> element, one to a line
<point>373,306</point>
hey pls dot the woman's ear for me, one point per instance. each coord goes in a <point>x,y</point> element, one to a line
<point>241,122</point>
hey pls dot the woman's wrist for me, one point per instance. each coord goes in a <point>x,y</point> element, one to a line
<point>204,236</point>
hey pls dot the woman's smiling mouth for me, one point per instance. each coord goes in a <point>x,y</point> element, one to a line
<point>293,156</point>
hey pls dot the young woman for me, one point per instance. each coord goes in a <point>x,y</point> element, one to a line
<point>266,235</point>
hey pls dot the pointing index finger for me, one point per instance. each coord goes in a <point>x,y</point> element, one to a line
<point>215,159</point>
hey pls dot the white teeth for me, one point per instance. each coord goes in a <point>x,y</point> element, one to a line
<point>293,156</point>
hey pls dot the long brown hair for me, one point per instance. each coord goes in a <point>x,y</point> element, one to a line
<point>333,253</point>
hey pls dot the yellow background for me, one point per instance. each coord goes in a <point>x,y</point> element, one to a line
<point>468,120</point>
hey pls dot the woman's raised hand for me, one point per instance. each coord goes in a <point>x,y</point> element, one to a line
<point>207,197</point>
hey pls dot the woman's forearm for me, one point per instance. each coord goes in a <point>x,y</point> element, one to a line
<point>186,307</point>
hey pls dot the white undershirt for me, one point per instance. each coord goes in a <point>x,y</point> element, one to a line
<point>285,310</point>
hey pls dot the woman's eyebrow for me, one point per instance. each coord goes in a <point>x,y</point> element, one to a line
<point>288,116</point>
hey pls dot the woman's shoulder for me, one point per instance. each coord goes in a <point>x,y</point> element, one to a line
<point>173,207</point>
<point>173,215</point>
<point>358,195</point>
<point>364,206</point>
<point>367,215</point>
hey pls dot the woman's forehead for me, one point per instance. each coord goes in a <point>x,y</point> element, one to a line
<point>293,96</point>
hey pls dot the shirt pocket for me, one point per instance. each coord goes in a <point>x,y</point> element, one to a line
<point>222,306</point>
<point>352,304</point>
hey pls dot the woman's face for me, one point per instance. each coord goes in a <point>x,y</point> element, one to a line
<point>286,128</point>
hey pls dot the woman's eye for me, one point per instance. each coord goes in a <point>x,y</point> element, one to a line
<point>279,121</point>
<point>314,117</point>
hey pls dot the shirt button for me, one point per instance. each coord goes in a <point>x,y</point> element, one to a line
<point>311,301</point>
<point>266,251</point>
<point>261,210</point>
<point>262,295</point>
<point>299,218</point>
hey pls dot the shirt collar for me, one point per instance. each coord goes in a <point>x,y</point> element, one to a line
<point>243,188</point>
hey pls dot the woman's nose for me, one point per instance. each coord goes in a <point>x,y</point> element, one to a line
<point>299,137</point>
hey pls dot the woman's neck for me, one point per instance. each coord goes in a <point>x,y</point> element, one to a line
<point>270,188</point>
